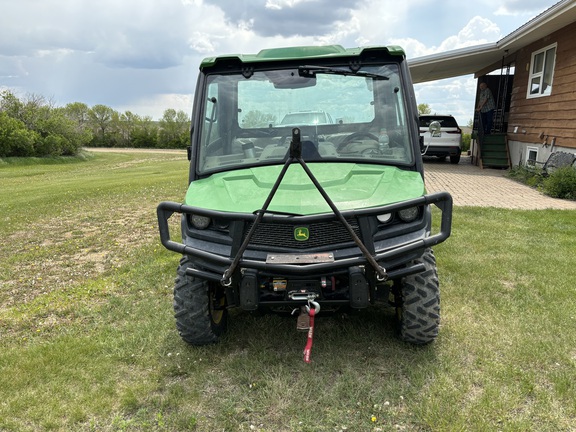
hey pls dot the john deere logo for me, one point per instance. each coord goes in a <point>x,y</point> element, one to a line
<point>301,233</point>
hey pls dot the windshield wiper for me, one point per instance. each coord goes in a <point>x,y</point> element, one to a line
<point>311,71</point>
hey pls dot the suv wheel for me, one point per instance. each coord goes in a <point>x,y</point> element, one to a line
<point>419,307</point>
<point>455,159</point>
<point>199,307</point>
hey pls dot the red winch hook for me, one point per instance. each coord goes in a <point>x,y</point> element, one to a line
<point>312,311</point>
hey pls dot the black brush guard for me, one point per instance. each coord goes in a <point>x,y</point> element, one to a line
<point>442,200</point>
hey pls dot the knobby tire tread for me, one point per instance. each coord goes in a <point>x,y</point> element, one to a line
<point>420,318</point>
<point>191,308</point>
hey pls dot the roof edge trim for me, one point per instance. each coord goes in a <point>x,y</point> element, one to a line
<point>460,52</point>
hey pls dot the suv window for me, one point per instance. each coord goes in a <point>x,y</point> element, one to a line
<point>445,121</point>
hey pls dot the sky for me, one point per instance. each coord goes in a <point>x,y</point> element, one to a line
<point>143,55</point>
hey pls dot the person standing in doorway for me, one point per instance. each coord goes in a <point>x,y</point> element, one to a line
<point>486,107</point>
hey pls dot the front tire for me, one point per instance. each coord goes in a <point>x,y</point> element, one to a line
<point>199,307</point>
<point>419,307</point>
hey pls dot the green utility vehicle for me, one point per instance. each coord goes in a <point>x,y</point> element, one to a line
<point>329,214</point>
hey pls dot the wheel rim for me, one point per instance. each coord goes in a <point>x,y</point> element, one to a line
<point>217,304</point>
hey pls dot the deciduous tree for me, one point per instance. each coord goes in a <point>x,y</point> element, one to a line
<point>424,109</point>
<point>174,129</point>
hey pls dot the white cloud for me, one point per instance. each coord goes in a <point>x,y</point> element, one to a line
<point>373,23</point>
<point>413,48</point>
<point>202,43</point>
<point>281,4</point>
<point>453,96</point>
<point>135,55</point>
<point>342,31</point>
<point>477,31</point>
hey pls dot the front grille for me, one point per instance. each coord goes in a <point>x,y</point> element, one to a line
<point>321,234</point>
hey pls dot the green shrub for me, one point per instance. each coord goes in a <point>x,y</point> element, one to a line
<point>466,138</point>
<point>535,181</point>
<point>561,183</point>
<point>22,143</point>
<point>49,146</point>
<point>525,175</point>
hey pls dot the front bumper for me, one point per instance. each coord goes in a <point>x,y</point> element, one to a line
<point>214,260</point>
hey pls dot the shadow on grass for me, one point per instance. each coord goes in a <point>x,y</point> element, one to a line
<point>343,341</point>
<point>256,374</point>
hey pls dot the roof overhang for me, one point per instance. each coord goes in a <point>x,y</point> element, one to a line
<point>482,59</point>
<point>454,63</point>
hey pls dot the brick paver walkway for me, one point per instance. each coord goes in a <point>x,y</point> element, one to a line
<point>472,186</point>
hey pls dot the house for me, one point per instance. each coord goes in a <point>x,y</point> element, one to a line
<point>532,74</point>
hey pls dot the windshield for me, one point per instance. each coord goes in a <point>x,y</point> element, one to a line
<point>343,116</point>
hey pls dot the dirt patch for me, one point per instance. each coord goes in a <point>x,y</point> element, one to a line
<point>65,251</point>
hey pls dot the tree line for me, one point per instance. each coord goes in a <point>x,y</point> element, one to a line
<point>34,126</point>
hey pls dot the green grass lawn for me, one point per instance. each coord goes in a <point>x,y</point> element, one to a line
<point>88,341</point>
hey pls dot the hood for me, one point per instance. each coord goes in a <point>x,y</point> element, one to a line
<point>349,185</point>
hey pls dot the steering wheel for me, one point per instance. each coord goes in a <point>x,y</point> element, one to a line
<point>356,135</point>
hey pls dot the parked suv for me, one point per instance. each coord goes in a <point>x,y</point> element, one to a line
<point>442,141</point>
<point>282,218</point>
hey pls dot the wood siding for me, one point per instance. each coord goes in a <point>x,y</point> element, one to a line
<point>554,115</point>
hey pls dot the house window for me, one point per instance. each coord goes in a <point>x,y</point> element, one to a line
<point>541,72</point>
<point>531,156</point>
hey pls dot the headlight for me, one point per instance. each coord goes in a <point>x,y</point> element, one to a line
<point>199,222</point>
<point>409,214</point>
<point>221,224</point>
<point>383,218</point>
